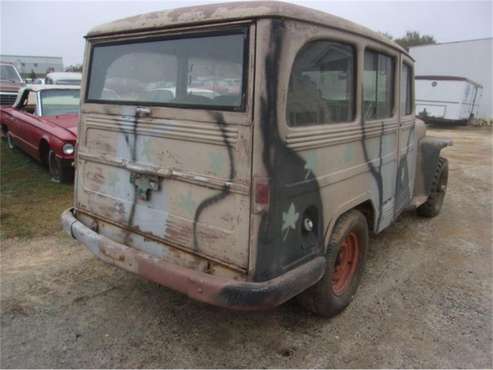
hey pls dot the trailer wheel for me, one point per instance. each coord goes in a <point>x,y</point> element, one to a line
<point>346,257</point>
<point>433,204</point>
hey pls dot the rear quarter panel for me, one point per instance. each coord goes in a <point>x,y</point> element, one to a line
<point>332,167</point>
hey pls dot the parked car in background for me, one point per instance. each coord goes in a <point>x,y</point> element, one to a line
<point>43,123</point>
<point>10,82</point>
<point>39,81</point>
<point>63,78</point>
<point>447,99</point>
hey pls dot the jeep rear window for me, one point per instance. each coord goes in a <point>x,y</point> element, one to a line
<point>199,71</point>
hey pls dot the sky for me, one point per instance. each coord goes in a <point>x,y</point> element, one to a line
<point>56,28</point>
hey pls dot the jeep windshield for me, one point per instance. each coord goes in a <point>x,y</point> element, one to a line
<point>196,71</point>
<point>57,102</point>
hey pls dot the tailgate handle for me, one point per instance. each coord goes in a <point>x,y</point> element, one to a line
<point>142,111</point>
<point>145,185</point>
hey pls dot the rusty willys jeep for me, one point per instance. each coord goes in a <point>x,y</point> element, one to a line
<point>241,153</point>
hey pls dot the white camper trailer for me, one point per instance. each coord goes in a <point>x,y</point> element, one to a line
<point>447,99</point>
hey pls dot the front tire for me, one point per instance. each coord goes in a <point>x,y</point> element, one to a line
<point>434,203</point>
<point>346,258</point>
<point>57,171</point>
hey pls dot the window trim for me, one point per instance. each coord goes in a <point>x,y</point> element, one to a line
<point>354,110</point>
<point>395,86</point>
<point>236,30</point>
<point>412,87</point>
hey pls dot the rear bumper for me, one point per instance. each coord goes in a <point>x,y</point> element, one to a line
<point>198,285</point>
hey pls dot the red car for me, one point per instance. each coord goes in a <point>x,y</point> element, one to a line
<point>43,123</point>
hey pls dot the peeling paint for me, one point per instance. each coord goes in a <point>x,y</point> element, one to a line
<point>187,203</point>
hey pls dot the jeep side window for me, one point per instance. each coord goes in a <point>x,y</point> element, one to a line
<point>322,84</point>
<point>378,85</point>
<point>406,89</point>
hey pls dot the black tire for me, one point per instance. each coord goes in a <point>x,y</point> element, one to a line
<point>433,204</point>
<point>328,297</point>
<point>10,141</point>
<point>58,172</point>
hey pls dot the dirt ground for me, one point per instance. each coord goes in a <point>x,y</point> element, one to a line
<point>425,301</point>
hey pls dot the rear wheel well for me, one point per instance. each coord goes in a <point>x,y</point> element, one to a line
<point>4,129</point>
<point>44,149</point>
<point>367,209</point>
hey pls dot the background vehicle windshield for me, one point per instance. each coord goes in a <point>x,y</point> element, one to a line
<point>67,82</point>
<point>194,71</point>
<point>55,102</point>
<point>8,73</point>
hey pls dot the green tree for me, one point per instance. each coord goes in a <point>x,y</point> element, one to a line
<point>74,68</point>
<point>387,35</point>
<point>414,38</point>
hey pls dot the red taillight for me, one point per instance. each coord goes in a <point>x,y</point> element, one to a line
<point>262,195</point>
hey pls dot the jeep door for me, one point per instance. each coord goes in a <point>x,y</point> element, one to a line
<point>407,150</point>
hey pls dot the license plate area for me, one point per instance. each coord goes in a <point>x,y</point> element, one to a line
<point>145,185</point>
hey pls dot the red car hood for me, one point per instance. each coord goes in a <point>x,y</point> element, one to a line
<point>67,121</point>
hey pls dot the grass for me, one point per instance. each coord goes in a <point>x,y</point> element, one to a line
<point>30,203</point>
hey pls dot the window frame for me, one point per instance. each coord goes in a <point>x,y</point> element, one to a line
<point>411,87</point>
<point>395,81</point>
<point>354,110</point>
<point>243,29</point>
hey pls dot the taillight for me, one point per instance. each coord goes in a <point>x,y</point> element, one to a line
<point>262,194</point>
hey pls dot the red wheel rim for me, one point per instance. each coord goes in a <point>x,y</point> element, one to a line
<point>345,264</point>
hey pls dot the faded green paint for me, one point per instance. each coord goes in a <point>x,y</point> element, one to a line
<point>388,143</point>
<point>348,152</point>
<point>187,203</point>
<point>146,149</point>
<point>217,162</point>
<point>311,162</point>
<point>112,179</point>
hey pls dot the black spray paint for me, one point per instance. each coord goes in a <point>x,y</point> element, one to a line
<point>218,117</point>
<point>283,166</point>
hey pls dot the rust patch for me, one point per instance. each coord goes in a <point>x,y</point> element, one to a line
<point>178,278</point>
<point>96,177</point>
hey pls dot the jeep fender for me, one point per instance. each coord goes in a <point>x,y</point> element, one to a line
<point>429,149</point>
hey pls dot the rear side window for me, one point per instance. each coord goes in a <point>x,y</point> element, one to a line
<point>378,85</point>
<point>406,89</point>
<point>204,71</point>
<point>322,84</point>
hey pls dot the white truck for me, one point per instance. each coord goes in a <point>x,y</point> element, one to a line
<point>447,99</point>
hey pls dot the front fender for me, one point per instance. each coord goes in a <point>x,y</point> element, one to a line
<point>428,156</point>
